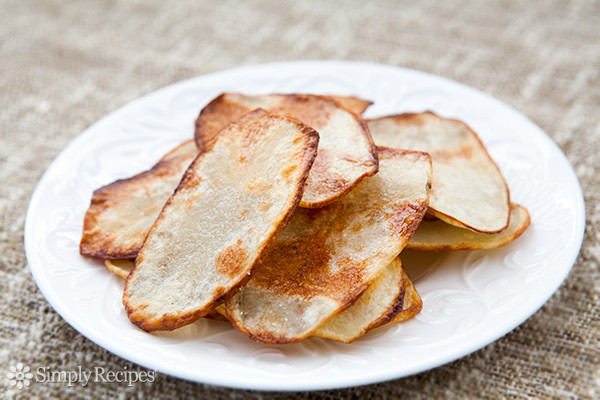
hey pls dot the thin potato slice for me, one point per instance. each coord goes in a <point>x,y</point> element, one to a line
<point>413,304</point>
<point>325,258</point>
<point>121,213</point>
<point>185,148</point>
<point>381,302</point>
<point>229,206</point>
<point>438,235</point>
<point>222,311</point>
<point>121,268</point>
<point>346,151</point>
<point>468,189</point>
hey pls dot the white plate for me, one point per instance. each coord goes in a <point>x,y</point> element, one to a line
<point>470,298</point>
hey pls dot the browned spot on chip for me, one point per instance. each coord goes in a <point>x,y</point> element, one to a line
<point>326,179</point>
<point>264,206</point>
<point>402,221</point>
<point>313,112</point>
<point>302,274</point>
<point>289,171</point>
<point>230,261</point>
<point>329,184</point>
<point>335,183</point>
<point>464,152</point>
<point>411,118</point>
<point>257,184</point>
<point>219,294</point>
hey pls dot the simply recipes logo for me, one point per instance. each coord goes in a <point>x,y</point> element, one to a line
<point>21,376</point>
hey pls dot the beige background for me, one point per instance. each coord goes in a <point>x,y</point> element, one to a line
<point>64,65</point>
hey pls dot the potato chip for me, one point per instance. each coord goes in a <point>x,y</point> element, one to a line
<point>438,235</point>
<point>121,213</point>
<point>222,311</point>
<point>381,302</point>
<point>325,258</point>
<point>468,189</point>
<point>413,304</point>
<point>229,206</point>
<point>121,268</point>
<point>346,151</point>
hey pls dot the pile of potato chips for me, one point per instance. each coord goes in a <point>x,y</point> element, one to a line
<point>287,213</point>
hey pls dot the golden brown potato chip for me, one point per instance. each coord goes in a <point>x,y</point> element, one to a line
<point>468,189</point>
<point>381,302</point>
<point>438,235</point>
<point>121,213</point>
<point>229,206</point>
<point>121,268</point>
<point>346,151</point>
<point>325,258</point>
<point>413,304</point>
<point>185,148</point>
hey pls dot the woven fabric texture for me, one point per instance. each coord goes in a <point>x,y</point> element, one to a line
<point>64,65</point>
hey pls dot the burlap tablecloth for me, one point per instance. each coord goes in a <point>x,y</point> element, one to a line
<point>64,65</point>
